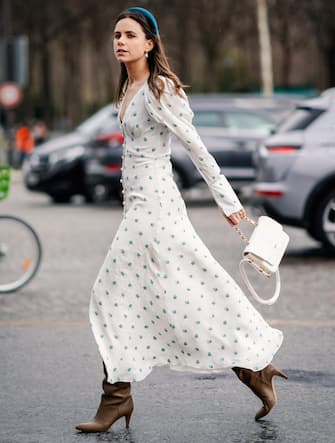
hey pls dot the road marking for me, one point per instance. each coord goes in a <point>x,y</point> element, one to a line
<point>273,322</point>
<point>303,323</point>
<point>37,322</point>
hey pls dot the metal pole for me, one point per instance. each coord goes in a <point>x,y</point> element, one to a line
<point>265,47</point>
<point>7,33</point>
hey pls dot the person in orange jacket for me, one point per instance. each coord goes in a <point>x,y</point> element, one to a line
<point>24,142</point>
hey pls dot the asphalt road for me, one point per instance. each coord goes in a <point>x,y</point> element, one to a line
<point>50,367</point>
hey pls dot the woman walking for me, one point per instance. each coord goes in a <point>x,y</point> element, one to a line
<point>160,298</point>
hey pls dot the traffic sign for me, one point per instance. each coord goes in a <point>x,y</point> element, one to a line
<point>10,95</point>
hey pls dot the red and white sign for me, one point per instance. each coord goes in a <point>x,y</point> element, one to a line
<point>10,95</point>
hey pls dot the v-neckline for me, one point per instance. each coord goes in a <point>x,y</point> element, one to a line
<point>129,104</point>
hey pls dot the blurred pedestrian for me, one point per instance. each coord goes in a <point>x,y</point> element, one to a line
<point>24,142</point>
<point>160,298</point>
<point>40,132</point>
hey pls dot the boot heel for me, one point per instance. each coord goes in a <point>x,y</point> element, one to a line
<point>127,417</point>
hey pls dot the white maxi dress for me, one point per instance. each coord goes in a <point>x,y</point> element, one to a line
<point>160,298</point>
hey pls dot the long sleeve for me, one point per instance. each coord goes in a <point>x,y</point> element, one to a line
<point>174,112</point>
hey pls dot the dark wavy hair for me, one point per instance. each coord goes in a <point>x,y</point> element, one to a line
<point>157,60</point>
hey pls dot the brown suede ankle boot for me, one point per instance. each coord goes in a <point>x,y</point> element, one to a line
<point>262,385</point>
<point>116,402</point>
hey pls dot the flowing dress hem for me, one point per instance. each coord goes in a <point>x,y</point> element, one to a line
<point>192,369</point>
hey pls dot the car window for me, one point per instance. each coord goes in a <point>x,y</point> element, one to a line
<point>299,118</point>
<point>207,119</point>
<point>238,120</point>
<point>108,126</point>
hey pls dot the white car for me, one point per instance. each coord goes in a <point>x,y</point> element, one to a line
<point>295,169</point>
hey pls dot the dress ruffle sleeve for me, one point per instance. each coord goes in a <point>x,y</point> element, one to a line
<point>173,111</point>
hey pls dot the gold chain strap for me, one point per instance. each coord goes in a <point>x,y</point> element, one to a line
<point>240,233</point>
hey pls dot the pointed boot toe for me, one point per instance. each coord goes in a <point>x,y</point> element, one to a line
<point>265,409</point>
<point>90,427</point>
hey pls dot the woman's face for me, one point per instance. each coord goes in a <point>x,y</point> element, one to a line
<point>130,43</point>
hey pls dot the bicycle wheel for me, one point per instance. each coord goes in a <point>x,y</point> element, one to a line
<point>20,253</point>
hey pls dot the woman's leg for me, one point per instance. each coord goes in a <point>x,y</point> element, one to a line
<point>262,385</point>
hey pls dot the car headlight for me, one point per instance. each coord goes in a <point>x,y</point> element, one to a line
<point>68,154</point>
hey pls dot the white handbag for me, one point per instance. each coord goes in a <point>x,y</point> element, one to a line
<point>264,250</point>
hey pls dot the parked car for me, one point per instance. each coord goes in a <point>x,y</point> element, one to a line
<point>57,167</point>
<point>231,133</point>
<point>295,169</point>
<point>103,167</point>
<point>87,161</point>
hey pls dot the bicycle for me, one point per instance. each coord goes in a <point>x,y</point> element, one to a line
<point>20,246</point>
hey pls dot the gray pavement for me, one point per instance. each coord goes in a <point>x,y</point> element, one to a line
<point>50,367</point>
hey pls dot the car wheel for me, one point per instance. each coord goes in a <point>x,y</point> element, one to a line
<point>61,198</point>
<point>96,194</point>
<point>324,226</point>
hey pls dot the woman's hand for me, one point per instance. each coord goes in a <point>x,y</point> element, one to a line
<point>236,217</point>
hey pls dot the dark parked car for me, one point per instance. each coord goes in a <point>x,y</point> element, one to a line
<point>296,169</point>
<point>103,167</point>
<point>57,167</point>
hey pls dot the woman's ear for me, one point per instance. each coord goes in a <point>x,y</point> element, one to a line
<point>149,45</point>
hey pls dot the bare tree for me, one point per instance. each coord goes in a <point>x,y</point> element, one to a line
<point>265,47</point>
<point>49,23</point>
<point>175,19</point>
<point>210,43</point>
<point>288,28</point>
<point>321,15</point>
<point>214,20</point>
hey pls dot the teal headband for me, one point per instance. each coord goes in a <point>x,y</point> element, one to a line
<point>147,14</point>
